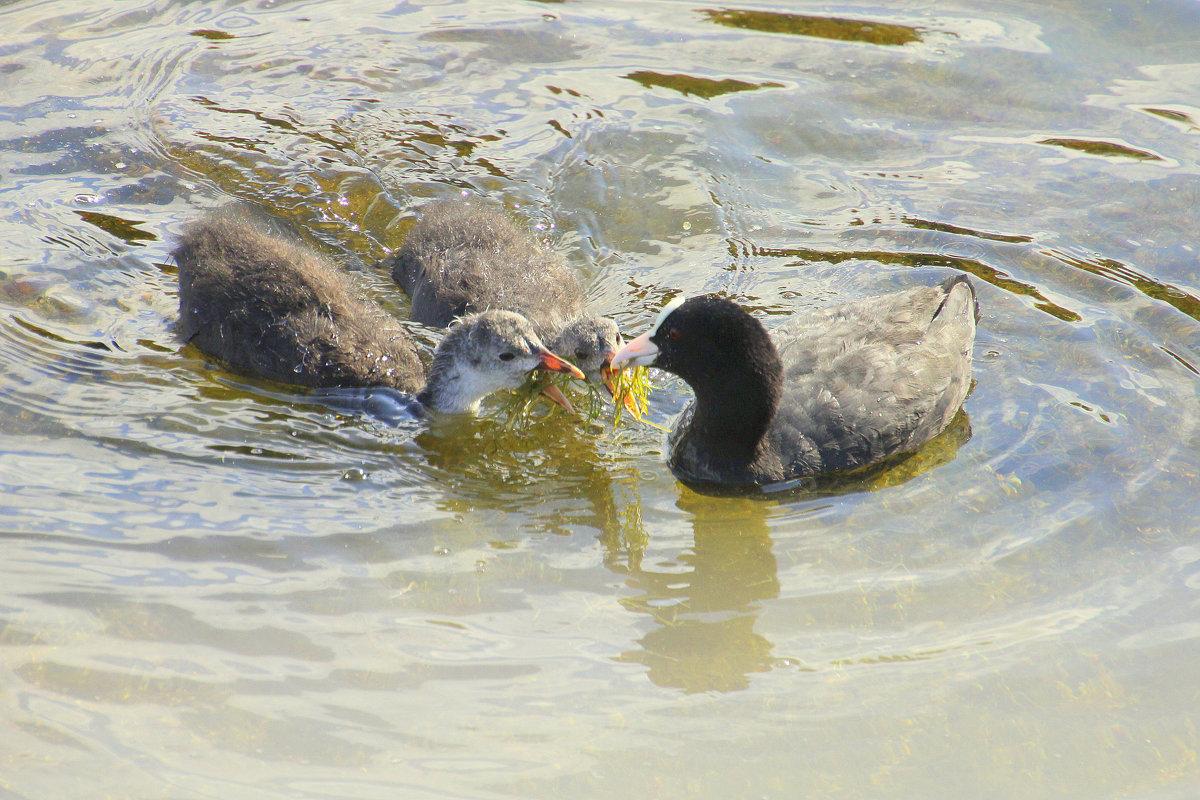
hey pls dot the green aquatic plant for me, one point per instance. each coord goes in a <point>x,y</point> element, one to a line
<point>630,387</point>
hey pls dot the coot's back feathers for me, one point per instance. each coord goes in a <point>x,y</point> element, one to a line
<point>874,377</point>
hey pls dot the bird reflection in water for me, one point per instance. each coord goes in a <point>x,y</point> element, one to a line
<point>706,615</point>
<point>706,609</point>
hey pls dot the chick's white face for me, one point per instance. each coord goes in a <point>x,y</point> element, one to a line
<point>504,366</point>
<point>501,354</point>
<point>483,353</point>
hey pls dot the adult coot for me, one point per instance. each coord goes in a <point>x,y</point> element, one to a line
<point>465,256</point>
<point>837,389</point>
<point>271,307</point>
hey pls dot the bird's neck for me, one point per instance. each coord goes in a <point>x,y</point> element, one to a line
<point>449,389</point>
<point>735,408</point>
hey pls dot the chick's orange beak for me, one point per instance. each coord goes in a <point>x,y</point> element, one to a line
<point>556,396</point>
<point>608,376</point>
<point>553,363</point>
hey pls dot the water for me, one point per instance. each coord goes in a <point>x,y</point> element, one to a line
<point>218,587</point>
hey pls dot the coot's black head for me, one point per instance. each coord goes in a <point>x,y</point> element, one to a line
<point>721,351</point>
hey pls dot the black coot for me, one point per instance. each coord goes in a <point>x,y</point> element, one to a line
<point>833,390</point>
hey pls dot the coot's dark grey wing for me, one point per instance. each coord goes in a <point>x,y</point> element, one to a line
<point>874,377</point>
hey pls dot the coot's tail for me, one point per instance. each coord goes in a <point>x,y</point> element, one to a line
<point>948,286</point>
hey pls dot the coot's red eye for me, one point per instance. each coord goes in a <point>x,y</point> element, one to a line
<point>673,334</point>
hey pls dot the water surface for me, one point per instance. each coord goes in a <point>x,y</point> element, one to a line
<point>220,587</point>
